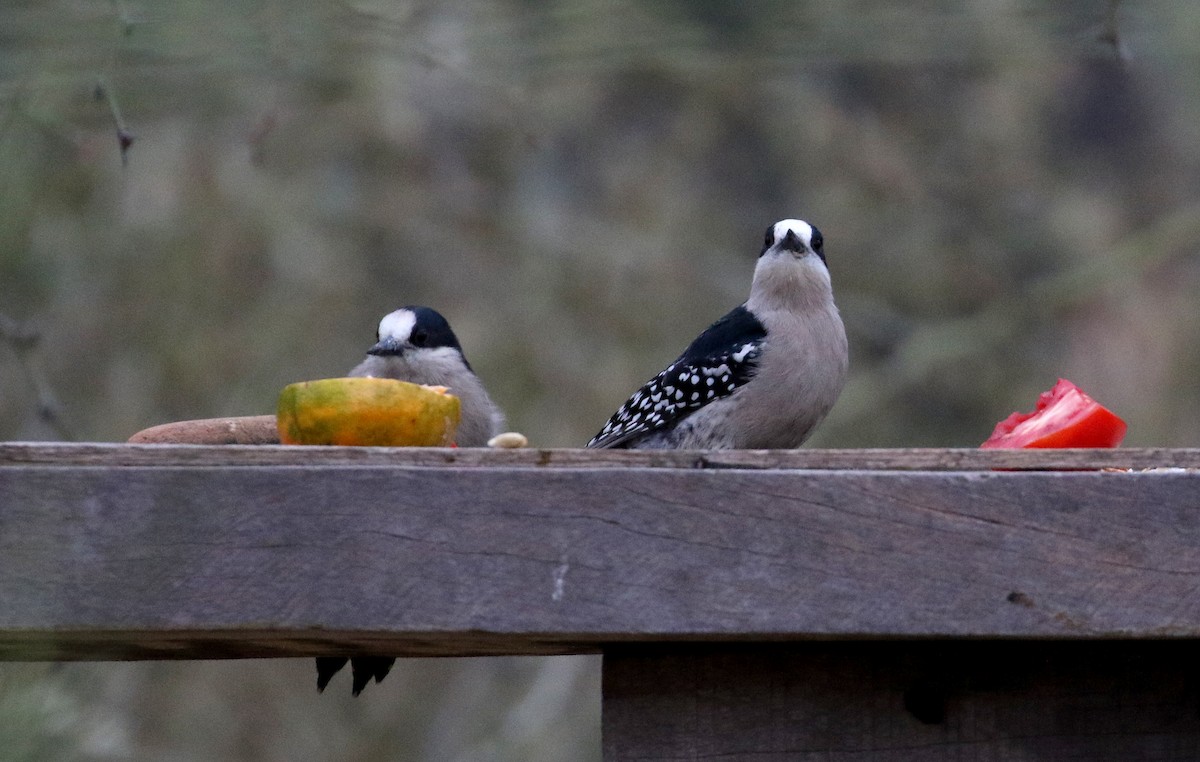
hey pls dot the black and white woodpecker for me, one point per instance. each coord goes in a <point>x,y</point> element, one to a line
<point>416,344</point>
<point>761,377</point>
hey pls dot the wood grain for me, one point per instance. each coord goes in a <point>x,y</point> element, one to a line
<point>918,459</point>
<point>886,702</point>
<point>237,560</point>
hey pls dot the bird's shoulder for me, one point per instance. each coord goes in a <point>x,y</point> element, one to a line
<point>734,331</point>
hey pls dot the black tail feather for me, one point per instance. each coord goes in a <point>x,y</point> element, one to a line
<point>327,667</point>
<point>364,668</point>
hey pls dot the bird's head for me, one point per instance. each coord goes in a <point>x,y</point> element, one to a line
<point>410,330</point>
<point>791,269</point>
<point>794,237</point>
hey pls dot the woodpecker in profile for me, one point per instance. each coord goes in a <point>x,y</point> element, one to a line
<point>761,377</point>
<point>416,344</point>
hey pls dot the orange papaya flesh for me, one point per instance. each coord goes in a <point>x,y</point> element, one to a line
<point>379,412</point>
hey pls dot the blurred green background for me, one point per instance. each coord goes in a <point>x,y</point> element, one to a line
<point>1009,192</point>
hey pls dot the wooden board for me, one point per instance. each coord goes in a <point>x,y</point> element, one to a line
<point>916,459</point>
<point>886,702</point>
<point>176,552</point>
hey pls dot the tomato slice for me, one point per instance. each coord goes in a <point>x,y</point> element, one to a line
<point>1064,417</point>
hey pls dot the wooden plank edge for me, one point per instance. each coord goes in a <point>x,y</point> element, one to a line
<point>923,459</point>
<point>243,643</point>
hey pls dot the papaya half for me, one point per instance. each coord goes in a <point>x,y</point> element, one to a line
<point>380,412</point>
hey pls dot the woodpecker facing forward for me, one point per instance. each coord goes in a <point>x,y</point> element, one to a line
<point>761,377</point>
<point>416,344</point>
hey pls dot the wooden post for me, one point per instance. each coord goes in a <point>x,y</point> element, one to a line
<point>888,701</point>
<point>750,606</point>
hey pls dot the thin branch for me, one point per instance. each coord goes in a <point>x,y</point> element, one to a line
<point>24,338</point>
<point>125,138</point>
<point>104,92</point>
<point>125,20</point>
<point>1110,31</point>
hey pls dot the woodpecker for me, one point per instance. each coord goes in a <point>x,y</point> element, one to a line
<point>417,344</point>
<point>761,377</point>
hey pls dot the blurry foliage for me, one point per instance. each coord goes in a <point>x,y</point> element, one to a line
<point>1009,191</point>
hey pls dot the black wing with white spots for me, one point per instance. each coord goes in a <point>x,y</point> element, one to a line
<point>713,366</point>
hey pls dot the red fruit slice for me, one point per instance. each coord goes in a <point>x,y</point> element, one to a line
<point>1064,417</point>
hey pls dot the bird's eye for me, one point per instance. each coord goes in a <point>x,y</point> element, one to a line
<point>769,238</point>
<point>817,242</point>
<point>419,337</point>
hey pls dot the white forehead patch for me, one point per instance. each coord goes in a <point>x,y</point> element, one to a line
<point>801,228</point>
<point>397,325</point>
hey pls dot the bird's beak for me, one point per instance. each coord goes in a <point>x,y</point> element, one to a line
<point>791,242</point>
<point>388,346</point>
